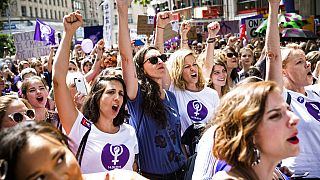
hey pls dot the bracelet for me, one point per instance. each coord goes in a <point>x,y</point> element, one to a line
<point>184,40</point>
<point>160,27</point>
<point>211,40</point>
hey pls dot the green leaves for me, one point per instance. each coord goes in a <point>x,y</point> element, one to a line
<point>6,40</point>
<point>3,5</point>
<point>142,2</point>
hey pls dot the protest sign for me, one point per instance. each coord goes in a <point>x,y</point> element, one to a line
<point>145,25</point>
<point>107,25</point>
<point>169,33</point>
<point>192,34</point>
<point>252,25</point>
<point>26,47</point>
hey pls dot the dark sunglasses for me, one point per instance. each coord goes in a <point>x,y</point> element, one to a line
<point>155,59</point>
<point>230,55</point>
<point>72,69</point>
<point>18,116</point>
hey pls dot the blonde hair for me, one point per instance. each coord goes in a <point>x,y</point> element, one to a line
<point>245,49</point>
<point>287,51</point>
<point>237,119</point>
<point>176,63</point>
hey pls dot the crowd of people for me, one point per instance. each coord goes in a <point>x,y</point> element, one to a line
<point>227,108</point>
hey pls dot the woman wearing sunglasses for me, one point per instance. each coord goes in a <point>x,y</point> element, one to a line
<point>154,110</point>
<point>14,110</point>
<point>102,141</point>
<point>230,57</point>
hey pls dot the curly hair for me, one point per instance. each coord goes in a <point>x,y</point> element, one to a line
<point>151,102</point>
<point>225,88</point>
<point>14,139</point>
<point>238,116</point>
<point>176,70</point>
<point>91,106</point>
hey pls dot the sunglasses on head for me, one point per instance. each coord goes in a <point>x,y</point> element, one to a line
<point>18,116</point>
<point>230,54</point>
<point>155,59</point>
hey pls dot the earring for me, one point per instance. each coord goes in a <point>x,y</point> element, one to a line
<point>256,154</point>
<point>3,169</point>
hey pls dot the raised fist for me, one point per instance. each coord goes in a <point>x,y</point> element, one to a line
<point>213,29</point>
<point>185,27</point>
<point>72,22</point>
<point>164,18</point>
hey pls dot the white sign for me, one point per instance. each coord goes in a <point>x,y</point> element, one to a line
<point>26,47</point>
<point>107,25</point>
<point>251,26</point>
<point>150,20</point>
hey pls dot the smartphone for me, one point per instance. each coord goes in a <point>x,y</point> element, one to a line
<point>81,85</point>
<point>299,175</point>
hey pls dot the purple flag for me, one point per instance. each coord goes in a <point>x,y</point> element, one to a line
<point>44,32</point>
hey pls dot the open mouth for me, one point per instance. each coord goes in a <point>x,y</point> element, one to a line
<point>194,75</point>
<point>39,99</point>
<point>293,140</point>
<point>115,107</point>
<point>309,73</point>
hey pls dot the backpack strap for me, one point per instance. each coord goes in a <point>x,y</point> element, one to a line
<point>84,139</point>
<point>288,101</point>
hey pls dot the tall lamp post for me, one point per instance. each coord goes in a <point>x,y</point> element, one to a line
<point>9,16</point>
<point>73,9</point>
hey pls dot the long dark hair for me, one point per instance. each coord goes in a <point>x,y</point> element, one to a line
<point>151,91</point>
<point>14,139</point>
<point>91,106</point>
<point>225,88</point>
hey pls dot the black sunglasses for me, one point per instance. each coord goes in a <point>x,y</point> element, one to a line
<point>18,116</point>
<point>155,59</point>
<point>230,55</point>
<point>72,69</point>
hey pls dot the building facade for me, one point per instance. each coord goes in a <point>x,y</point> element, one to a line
<point>21,14</point>
<point>134,11</point>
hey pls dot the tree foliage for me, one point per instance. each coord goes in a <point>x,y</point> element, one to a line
<point>6,40</point>
<point>142,2</point>
<point>3,5</point>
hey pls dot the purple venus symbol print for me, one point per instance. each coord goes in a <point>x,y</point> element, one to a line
<point>114,156</point>
<point>314,109</point>
<point>196,110</point>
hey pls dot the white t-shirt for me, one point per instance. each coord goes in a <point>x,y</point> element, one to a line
<point>195,107</point>
<point>308,110</point>
<point>204,163</point>
<point>104,152</point>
